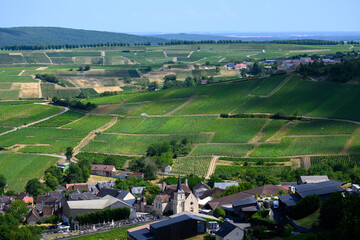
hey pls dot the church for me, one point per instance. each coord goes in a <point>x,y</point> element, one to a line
<point>176,199</point>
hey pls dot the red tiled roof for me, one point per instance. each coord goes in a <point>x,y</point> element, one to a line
<point>264,190</point>
<point>106,168</point>
<point>28,199</point>
<point>79,186</point>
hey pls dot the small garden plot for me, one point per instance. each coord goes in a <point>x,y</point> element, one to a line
<point>19,168</point>
<point>290,146</point>
<point>237,150</point>
<point>61,119</point>
<point>189,124</point>
<point>136,144</point>
<point>235,130</point>
<point>198,166</point>
<point>152,108</point>
<point>323,127</point>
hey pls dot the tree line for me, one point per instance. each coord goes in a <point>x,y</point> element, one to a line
<point>172,42</point>
<point>73,103</point>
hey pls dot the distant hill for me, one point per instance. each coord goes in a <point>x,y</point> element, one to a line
<point>56,35</point>
<point>330,36</point>
<point>193,37</point>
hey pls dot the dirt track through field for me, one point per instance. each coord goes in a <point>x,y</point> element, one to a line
<point>48,57</point>
<point>350,142</point>
<point>278,87</point>
<point>260,134</point>
<point>91,135</point>
<point>182,105</point>
<point>212,167</point>
<point>22,71</point>
<point>33,123</point>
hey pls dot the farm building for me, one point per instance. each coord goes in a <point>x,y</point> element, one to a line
<point>312,179</point>
<point>63,166</point>
<point>181,227</point>
<point>322,189</point>
<point>103,170</point>
<point>167,169</point>
<point>74,208</point>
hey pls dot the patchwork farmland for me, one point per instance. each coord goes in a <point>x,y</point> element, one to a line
<point>230,119</point>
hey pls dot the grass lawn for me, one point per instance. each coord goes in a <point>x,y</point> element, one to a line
<point>310,220</point>
<point>119,234</point>
<point>94,179</point>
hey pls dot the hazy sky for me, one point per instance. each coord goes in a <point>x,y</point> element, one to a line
<point>185,15</point>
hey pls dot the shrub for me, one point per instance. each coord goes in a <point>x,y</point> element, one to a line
<point>104,215</point>
<point>219,212</point>
<point>305,206</point>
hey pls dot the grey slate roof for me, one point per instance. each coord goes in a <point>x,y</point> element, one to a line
<point>142,234</point>
<point>108,191</point>
<point>320,188</point>
<point>225,229</point>
<point>228,227</point>
<point>175,220</point>
<point>245,201</point>
<point>78,196</point>
<point>289,200</point>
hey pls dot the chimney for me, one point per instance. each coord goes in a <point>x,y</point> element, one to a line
<point>163,186</point>
<point>186,182</point>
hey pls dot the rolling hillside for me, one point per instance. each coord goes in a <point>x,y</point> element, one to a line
<point>55,35</point>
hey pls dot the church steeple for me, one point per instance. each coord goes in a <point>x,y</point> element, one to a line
<point>179,187</point>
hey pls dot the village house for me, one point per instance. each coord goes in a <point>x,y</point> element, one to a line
<point>81,187</point>
<point>232,231</point>
<point>123,195</point>
<point>103,170</point>
<point>176,198</point>
<point>242,209</point>
<point>200,188</point>
<point>240,66</point>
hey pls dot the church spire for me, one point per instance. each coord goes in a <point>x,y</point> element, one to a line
<point>179,187</point>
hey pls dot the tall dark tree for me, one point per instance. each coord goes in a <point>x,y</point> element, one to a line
<point>69,153</point>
